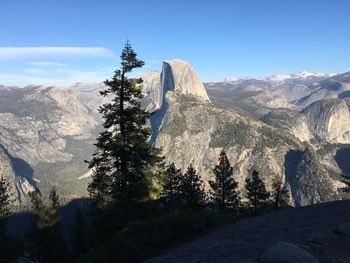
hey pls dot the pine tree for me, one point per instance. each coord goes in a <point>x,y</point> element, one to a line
<point>5,202</point>
<point>45,237</point>
<point>192,189</point>
<point>171,186</point>
<point>224,187</point>
<point>9,246</point>
<point>79,234</point>
<point>256,191</point>
<point>279,192</point>
<point>124,161</point>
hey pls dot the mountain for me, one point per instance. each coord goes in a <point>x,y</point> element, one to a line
<point>327,120</point>
<point>46,133</point>
<point>194,131</point>
<point>337,86</point>
<point>299,90</point>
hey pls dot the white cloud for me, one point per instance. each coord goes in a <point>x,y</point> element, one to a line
<point>59,77</point>
<point>44,52</point>
<point>36,71</point>
<point>47,64</point>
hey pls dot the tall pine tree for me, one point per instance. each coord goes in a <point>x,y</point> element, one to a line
<point>256,191</point>
<point>192,189</point>
<point>171,186</point>
<point>124,161</point>
<point>224,187</point>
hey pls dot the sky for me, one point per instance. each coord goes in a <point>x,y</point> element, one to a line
<point>60,42</point>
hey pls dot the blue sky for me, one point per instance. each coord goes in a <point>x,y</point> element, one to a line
<point>64,41</point>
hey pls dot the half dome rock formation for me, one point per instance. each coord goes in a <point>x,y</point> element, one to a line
<point>180,77</point>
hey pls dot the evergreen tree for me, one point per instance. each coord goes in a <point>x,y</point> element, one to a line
<point>171,186</point>
<point>224,187</point>
<point>279,192</point>
<point>256,191</point>
<point>192,189</point>
<point>124,161</point>
<point>5,202</point>
<point>45,237</point>
<point>79,234</point>
<point>9,246</point>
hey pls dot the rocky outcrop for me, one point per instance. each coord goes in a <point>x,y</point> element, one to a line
<point>285,252</point>
<point>292,122</point>
<point>306,231</point>
<point>309,180</point>
<point>152,91</point>
<point>179,76</point>
<point>329,119</point>
<point>20,185</point>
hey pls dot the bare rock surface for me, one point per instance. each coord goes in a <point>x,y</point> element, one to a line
<point>344,228</point>
<point>284,252</point>
<point>311,228</point>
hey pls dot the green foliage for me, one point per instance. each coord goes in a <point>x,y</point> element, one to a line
<point>192,189</point>
<point>171,187</point>
<point>123,162</point>
<point>45,236</point>
<point>256,191</point>
<point>224,187</point>
<point>230,134</point>
<point>146,238</point>
<point>175,128</point>
<point>5,202</point>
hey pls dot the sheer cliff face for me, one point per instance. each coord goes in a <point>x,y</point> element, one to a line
<point>329,119</point>
<point>20,185</point>
<point>179,76</point>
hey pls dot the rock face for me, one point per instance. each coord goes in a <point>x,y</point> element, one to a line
<point>329,119</point>
<point>20,185</point>
<point>284,252</point>
<point>152,91</point>
<point>38,128</point>
<point>179,76</point>
<point>306,231</point>
<point>309,180</point>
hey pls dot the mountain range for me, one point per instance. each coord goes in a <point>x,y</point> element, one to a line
<point>292,125</point>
